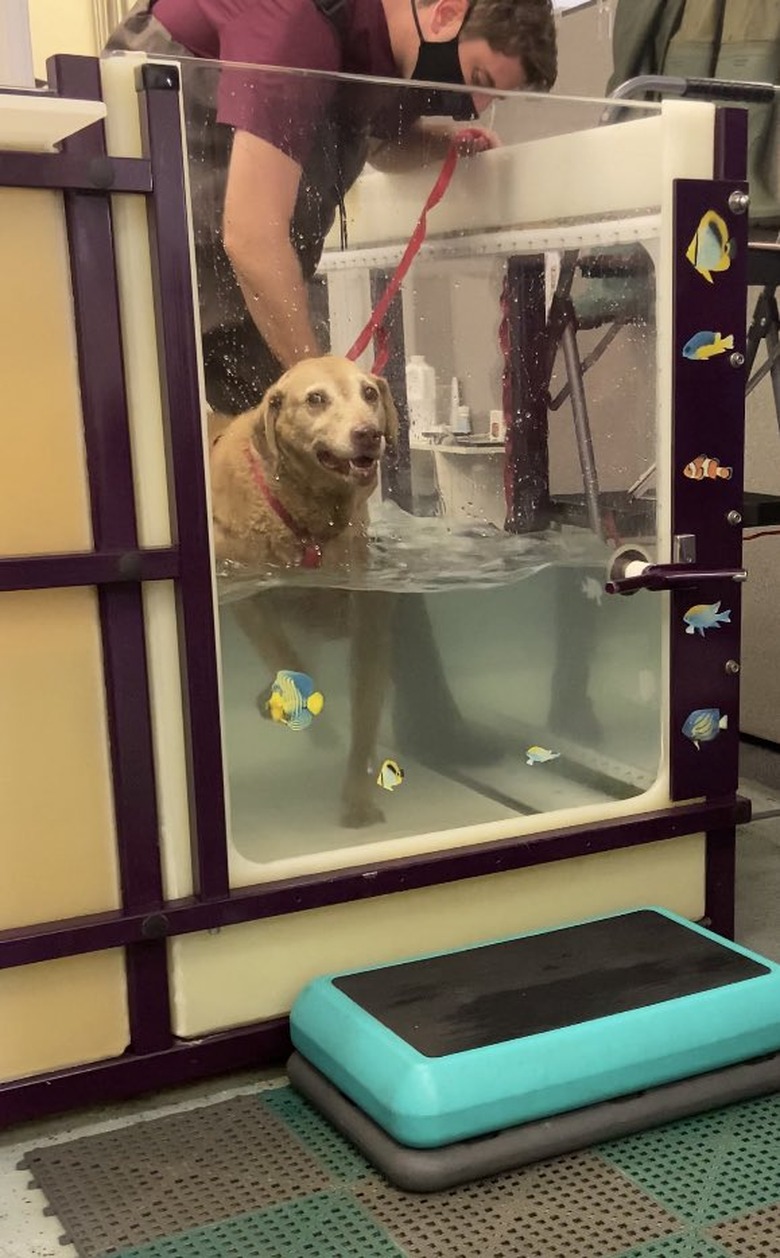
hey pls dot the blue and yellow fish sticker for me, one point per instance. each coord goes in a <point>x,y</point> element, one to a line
<point>712,248</point>
<point>704,724</point>
<point>706,616</point>
<point>704,345</point>
<point>293,701</point>
<point>390,775</point>
<point>540,755</point>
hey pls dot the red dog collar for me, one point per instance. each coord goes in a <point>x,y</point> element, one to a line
<point>312,551</point>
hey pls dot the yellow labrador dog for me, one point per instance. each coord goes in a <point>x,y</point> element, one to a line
<point>290,483</point>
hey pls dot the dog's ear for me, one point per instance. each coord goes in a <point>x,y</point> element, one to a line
<point>391,414</point>
<point>268,413</point>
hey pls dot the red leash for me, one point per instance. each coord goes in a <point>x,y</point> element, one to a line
<point>376,325</point>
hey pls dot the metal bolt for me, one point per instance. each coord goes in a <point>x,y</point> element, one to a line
<point>101,172</point>
<point>732,667</point>
<point>155,926</point>
<point>734,517</point>
<point>736,359</point>
<point>739,202</point>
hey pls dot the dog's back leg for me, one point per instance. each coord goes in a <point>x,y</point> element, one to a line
<point>371,641</point>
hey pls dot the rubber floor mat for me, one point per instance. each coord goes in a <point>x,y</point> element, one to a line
<point>264,1176</point>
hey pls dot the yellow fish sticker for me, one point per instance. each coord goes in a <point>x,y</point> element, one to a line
<point>711,249</point>
<point>390,775</point>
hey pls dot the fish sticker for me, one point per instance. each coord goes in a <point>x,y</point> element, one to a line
<point>704,345</point>
<point>390,775</point>
<point>705,467</point>
<point>294,702</point>
<point>704,724</point>
<point>711,249</point>
<point>706,616</point>
<point>593,590</point>
<point>540,755</point>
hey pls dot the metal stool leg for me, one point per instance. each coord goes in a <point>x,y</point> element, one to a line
<point>582,429</point>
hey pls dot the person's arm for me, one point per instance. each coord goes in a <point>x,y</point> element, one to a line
<point>427,141</point>
<point>260,196</point>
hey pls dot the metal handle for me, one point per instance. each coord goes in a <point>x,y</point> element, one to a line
<point>696,89</point>
<point>667,576</point>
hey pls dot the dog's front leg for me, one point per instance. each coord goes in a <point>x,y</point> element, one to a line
<point>371,630</point>
<point>260,619</point>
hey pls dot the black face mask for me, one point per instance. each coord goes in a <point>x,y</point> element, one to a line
<point>440,63</point>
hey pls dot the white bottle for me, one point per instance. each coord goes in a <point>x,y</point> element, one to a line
<point>460,418</point>
<point>420,395</point>
<point>461,424</point>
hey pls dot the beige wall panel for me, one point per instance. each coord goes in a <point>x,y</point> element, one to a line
<point>62,1013</point>
<point>44,504</point>
<point>256,970</point>
<point>58,843</point>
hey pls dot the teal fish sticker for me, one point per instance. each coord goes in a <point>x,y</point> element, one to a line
<point>711,249</point>
<point>706,616</point>
<point>540,755</point>
<point>704,724</point>
<point>390,775</point>
<point>704,345</point>
<point>293,701</point>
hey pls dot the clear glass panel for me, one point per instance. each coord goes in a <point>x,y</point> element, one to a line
<point>472,647</point>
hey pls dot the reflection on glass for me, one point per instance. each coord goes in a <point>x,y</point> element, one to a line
<point>483,668</point>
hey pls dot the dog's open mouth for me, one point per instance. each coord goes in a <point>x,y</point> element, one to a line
<point>360,468</point>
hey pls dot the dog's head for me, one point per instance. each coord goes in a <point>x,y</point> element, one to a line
<point>328,420</point>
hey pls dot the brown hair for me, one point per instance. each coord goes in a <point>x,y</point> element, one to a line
<point>519,28</point>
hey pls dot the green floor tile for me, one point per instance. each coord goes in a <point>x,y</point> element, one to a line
<point>676,1247</point>
<point>710,1167</point>
<point>325,1225</point>
<point>320,1139</point>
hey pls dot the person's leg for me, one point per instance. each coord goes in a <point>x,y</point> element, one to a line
<point>427,722</point>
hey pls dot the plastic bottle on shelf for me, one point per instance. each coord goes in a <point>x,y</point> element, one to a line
<point>420,395</point>
<point>460,417</point>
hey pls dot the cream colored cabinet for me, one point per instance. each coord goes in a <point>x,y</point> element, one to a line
<point>75,26</point>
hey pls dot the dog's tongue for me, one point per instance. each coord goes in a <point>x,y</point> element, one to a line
<point>363,465</point>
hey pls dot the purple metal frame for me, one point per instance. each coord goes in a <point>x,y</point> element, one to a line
<point>182,407</point>
<point>109,464</point>
<point>527,455</point>
<point>118,567</point>
<point>22,946</point>
<point>709,418</point>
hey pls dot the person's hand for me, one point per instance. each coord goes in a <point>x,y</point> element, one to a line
<point>470,140</point>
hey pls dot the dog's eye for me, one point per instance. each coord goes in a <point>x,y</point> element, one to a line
<point>316,399</point>
<point>370,393</point>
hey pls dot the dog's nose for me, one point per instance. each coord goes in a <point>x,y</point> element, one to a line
<point>366,438</point>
